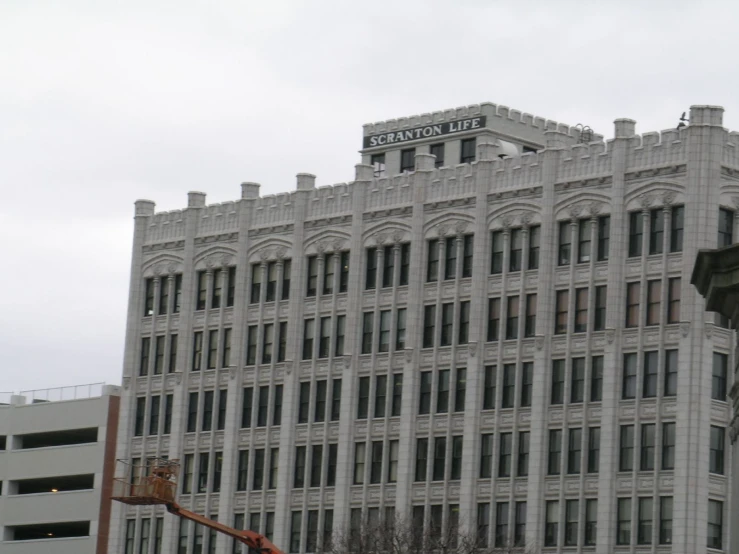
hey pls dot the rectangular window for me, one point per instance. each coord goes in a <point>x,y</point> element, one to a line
<point>304,402</point>
<point>633,291</point>
<point>439,458</point>
<point>438,151</point>
<point>159,354</point>
<point>467,151</point>
<point>359,461</point>
<point>626,452</point>
<point>144,359</point>
<point>172,365</point>
<point>149,297</point>
<point>555,452</point>
<point>230,286</point>
<point>246,407</point>
<point>378,164</point>
<point>460,389</point>
<point>217,471</point>
<point>584,240</point>
<point>551,527</point>
<point>591,521</point>
<point>299,474</point>
<point>392,459</point>
<point>400,329</point>
<point>215,299</point>
<point>725,227</point>
<point>197,350</point>
<point>565,243</point>
<point>496,262</point>
<point>432,268</point>
<point>251,345</point>
<point>324,339</point>
<point>464,322</point>
<point>534,246</point>
<point>574,450</point>
<point>572,509</point>
<point>596,379</point>
<point>599,317</point>
<point>328,274</point>
<point>716,458</point>
<point>483,524</point>
<point>486,456</point>
<point>644,530</point>
<point>363,400</point>
<point>144,538</point>
<point>192,412</point>
<point>296,522</point>
<point>581,310</point>
<point>263,406</point>
<point>309,330</point>
<point>380,395</point>
<point>274,461</point>
<point>718,381</point>
<point>677,222</point>
<point>319,410</point>
<point>623,522</point>
<point>368,323</point>
<point>577,384</point>
<point>376,462</point>
<point>512,318</point>
<point>333,450</point>
<point>344,271</point>
<point>522,469</point>
<point>226,354</point>
<point>312,276</point>
<point>207,423</point>
<point>515,257</point>
<point>665,520</point>
<point>405,263</point>
<point>562,311</point>
<point>424,401</point>
<point>442,392</point>
<point>203,471</point>
<point>384,335</point>
<point>646,452</point>
<point>530,323</point>
<point>509,386</point>
<point>422,447</point>
<point>268,339</point>
<point>558,382</point>
<point>316,465</point>
<point>467,253</point>
<point>593,449</point>
<point>340,334</point>
<point>202,291</point>
<point>488,393</point>
<point>407,160</point>
<point>222,403</point>
<point>397,393</point>
<point>636,232</point>
<point>212,348</point>
<point>628,387</point>
<point>673,300</point>
<point>501,524</point>
<point>140,415</point>
<point>242,475</point>
<point>177,293</point>
<point>656,231</point>
<point>187,473</point>
<point>493,319</point>
<point>447,323</point>
<point>527,383</point>
<point>168,404</point>
<point>668,446</point>
<point>256,283</point>
<point>654,295</point>
<point>336,400</point>
<point>505,454</point>
<point>286,268</point>
<point>650,374</point>
<point>604,237</point>
<point>715,524</point>
<point>429,326</point>
<point>370,280</point>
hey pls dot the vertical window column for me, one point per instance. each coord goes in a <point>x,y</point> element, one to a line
<point>647,226</point>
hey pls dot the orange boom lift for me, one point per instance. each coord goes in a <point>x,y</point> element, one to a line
<point>156,483</point>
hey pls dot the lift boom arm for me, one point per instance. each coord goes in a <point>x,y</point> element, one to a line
<point>255,541</point>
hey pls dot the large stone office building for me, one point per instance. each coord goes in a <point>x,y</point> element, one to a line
<point>491,326</point>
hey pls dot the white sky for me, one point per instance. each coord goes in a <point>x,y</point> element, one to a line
<point>104,102</point>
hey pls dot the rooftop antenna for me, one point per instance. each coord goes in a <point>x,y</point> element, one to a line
<point>683,119</point>
<point>586,133</point>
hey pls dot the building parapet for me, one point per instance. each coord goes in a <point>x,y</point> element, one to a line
<point>59,394</point>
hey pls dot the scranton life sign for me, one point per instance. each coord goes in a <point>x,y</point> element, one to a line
<point>427,131</point>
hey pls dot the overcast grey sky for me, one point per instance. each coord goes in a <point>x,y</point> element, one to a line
<point>104,102</point>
